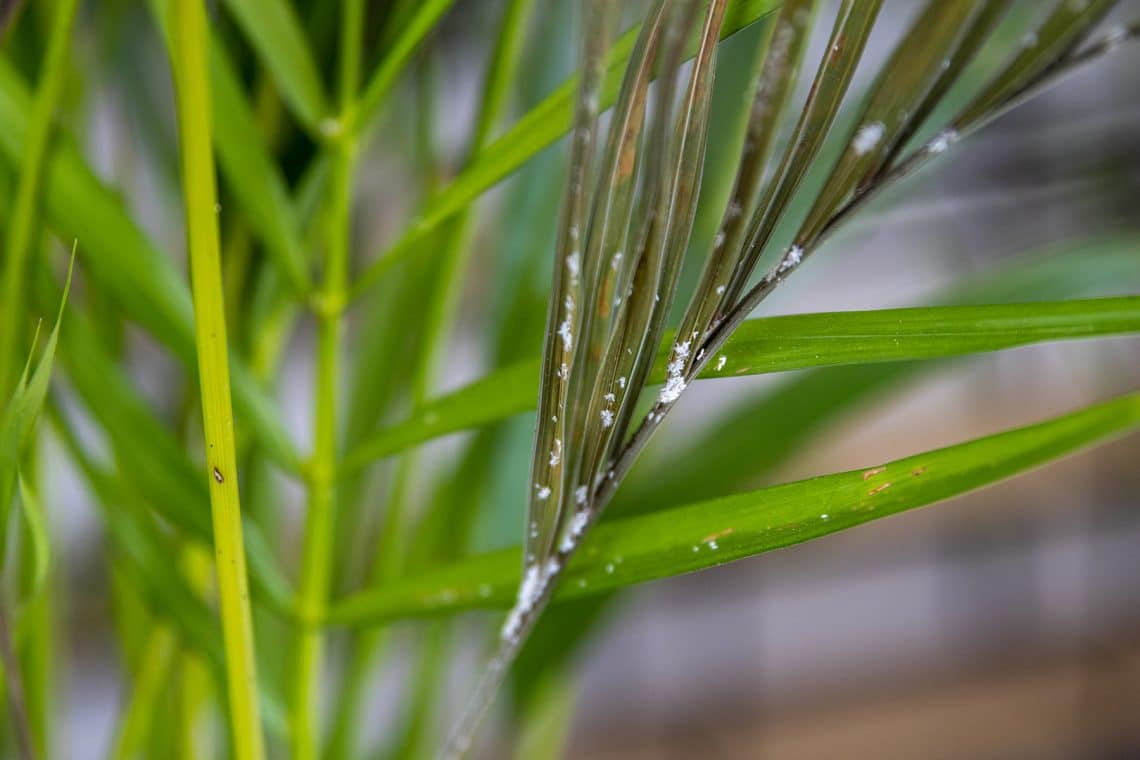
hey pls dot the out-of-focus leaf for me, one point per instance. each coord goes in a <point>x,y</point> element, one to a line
<point>145,553</point>
<point>21,412</point>
<point>396,57</point>
<point>127,266</point>
<point>501,394</point>
<point>35,517</point>
<point>1057,35</point>
<point>276,34</point>
<point>169,480</point>
<point>20,229</point>
<point>249,169</point>
<point>779,344</point>
<point>706,534</point>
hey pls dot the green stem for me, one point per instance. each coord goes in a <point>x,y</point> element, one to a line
<point>387,560</point>
<point>18,241</point>
<point>200,198</point>
<point>328,305</point>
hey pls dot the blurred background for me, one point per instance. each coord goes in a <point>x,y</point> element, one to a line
<point>1004,624</point>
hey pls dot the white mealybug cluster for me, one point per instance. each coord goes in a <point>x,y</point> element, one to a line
<point>581,493</point>
<point>720,362</point>
<point>791,259</point>
<point>1116,35</point>
<point>942,141</point>
<point>574,530</point>
<point>574,265</point>
<point>719,239</point>
<point>543,492</point>
<point>607,418</point>
<point>720,289</point>
<point>674,374</point>
<point>565,333</point>
<point>868,137</point>
<point>529,592</point>
<point>615,262</point>
<point>556,452</point>
<point>610,398</point>
<point>621,381</point>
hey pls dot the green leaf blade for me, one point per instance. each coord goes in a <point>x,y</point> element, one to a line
<point>706,534</point>
<point>781,344</point>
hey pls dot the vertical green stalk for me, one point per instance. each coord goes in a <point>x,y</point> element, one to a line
<point>328,306</point>
<point>200,198</point>
<point>449,276</point>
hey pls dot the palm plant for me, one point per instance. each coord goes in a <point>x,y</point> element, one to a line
<point>271,167</point>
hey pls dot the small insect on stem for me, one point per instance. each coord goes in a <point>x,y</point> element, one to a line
<point>218,476</point>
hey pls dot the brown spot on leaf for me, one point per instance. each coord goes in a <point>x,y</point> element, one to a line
<point>918,471</point>
<point>879,489</point>
<point>873,471</point>
<point>715,536</point>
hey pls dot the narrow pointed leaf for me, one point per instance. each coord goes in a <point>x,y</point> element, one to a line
<point>128,267</point>
<point>844,51</point>
<point>566,304</point>
<point>915,67</point>
<point>544,124</point>
<point>1058,34</point>
<point>779,63</point>
<point>780,344</point>
<point>711,533</point>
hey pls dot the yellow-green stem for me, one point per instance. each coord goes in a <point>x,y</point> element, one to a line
<point>200,198</point>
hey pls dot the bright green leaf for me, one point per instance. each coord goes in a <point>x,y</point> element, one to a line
<point>779,344</point>
<point>125,263</point>
<point>707,534</point>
